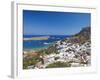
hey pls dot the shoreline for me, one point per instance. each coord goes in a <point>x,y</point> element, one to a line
<point>35,49</point>
<point>37,38</point>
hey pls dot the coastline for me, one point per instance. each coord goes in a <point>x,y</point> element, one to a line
<point>35,49</point>
<point>37,38</point>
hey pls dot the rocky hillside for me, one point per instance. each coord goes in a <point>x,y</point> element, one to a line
<point>85,33</point>
<point>81,37</point>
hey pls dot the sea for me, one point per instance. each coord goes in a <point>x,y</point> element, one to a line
<point>39,44</point>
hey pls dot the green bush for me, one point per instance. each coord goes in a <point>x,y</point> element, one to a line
<point>51,49</point>
<point>58,65</point>
<point>30,61</point>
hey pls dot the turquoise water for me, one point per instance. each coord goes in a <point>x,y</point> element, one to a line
<point>39,44</point>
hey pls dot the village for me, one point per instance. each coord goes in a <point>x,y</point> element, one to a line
<point>69,52</point>
<point>74,54</point>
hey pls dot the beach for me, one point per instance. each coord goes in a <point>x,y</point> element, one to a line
<point>37,38</point>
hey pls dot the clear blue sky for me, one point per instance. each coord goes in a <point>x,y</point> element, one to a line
<point>54,23</point>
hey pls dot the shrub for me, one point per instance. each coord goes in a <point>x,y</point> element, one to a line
<point>58,65</point>
<point>30,61</point>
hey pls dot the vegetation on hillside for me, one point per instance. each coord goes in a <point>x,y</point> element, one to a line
<point>58,65</point>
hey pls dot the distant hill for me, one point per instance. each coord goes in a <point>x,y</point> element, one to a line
<point>81,37</point>
<point>85,32</point>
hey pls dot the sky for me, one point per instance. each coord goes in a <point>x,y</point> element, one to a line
<point>54,23</point>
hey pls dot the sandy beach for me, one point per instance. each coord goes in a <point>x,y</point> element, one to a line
<point>37,38</point>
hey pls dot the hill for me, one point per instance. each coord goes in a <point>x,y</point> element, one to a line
<point>80,37</point>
